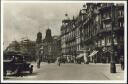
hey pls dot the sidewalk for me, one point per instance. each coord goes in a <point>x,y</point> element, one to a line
<point>103,64</point>
<point>119,75</point>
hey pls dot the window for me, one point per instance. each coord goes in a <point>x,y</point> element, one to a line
<point>103,41</point>
<point>108,25</point>
<point>103,25</point>
<point>115,40</point>
<point>104,16</point>
<point>97,18</point>
<point>121,13</point>
<point>79,47</point>
<point>121,24</point>
<point>107,15</point>
<point>98,43</point>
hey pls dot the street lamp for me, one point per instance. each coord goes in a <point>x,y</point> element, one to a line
<point>112,65</point>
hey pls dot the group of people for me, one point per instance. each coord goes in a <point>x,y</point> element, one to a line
<point>61,60</point>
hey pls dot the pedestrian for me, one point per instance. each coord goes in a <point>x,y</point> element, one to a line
<point>95,60</point>
<point>48,61</point>
<point>38,63</point>
<point>122,62</point>
<point>59,61</point>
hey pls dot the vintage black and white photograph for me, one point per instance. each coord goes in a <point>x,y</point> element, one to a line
<point>63,41</point>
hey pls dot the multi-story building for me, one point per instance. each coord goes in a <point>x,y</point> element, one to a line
<point>51,47</point>
<point>56,46</point>
<point>91,31</point>
<point>70,37</point>
<point>111,16</point>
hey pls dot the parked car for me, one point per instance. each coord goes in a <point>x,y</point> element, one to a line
<point>16,64</point>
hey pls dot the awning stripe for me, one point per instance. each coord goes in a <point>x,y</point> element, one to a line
<point>79,56</point>
<point>93,53</point>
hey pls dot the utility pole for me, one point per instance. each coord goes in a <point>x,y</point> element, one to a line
<point>112,65</point>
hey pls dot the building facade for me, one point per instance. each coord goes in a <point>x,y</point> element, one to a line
<point>51,47</point>
<point>91,31</point>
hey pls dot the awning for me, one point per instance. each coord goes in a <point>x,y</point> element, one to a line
<point>67,55</point>
<point>93,53</point>
<point>79,56</point>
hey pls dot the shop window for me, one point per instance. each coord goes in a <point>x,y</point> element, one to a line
<point>115,40</point>
<point>104,25</point>
<point>97,18</point>
<point>108,25</point>
<point>121,13</point>
<point>121,24</point>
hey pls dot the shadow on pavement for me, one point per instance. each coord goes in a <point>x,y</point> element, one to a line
<point>22,75</point>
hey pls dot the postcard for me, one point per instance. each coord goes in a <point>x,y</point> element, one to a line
<point>64,41</point>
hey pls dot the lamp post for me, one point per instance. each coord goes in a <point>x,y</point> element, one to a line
<point>112,65</point>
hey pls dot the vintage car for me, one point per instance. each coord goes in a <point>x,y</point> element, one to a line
<point>16,65</point>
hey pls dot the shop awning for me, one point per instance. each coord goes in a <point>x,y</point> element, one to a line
<point>93,53</point>
<point>79,56</point>
<point>67,55</point>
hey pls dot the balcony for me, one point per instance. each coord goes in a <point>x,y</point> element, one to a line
<point>107,29</point>
<point>70,39</point>
<point>118,28</point>
<point>120,17</point>
<point>106,19</point>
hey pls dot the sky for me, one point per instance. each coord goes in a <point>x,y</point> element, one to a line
<point>25,20</point>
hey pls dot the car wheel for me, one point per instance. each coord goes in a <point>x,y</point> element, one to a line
<point>17,72</point>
